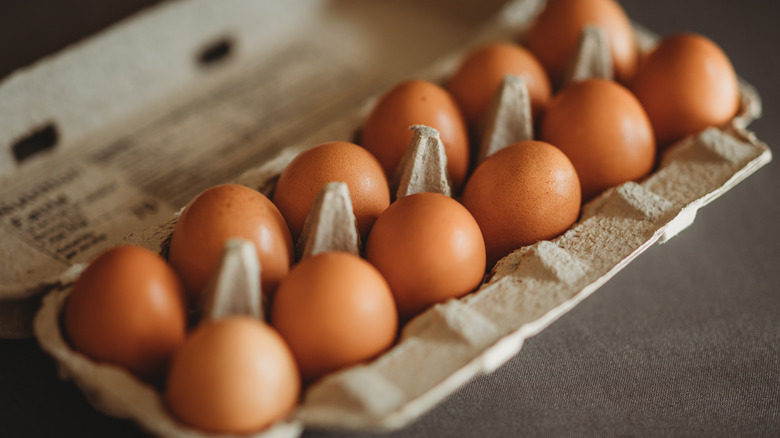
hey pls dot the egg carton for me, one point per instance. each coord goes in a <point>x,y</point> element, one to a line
<point>458,339</point>
<point>525,292</point>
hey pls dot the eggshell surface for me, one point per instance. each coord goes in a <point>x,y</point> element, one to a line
<point>334,310</point>
<point>429,248</point>
<point>524,193</point>
<point>303,178</point>
<point>480,74</point>
<point>128,308</point>
<point>234,375</point>
<point>604,131</point>
<point>386,132</point>
<point>556,33</point>
<point>218,214</point>
<point>686,84</point>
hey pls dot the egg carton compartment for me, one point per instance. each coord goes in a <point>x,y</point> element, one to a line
<point>458,339</point>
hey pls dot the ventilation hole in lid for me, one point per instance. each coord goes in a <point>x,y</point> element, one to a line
<point>215,52</point>
<point>40,140</point>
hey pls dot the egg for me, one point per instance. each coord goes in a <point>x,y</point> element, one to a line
<point>386,132</point>
<point>686,84</point>
<point>218,214</point>
<point>336,161</point>
<point>555,35</point>
<point>235,375</point>
<point>127,308</point>
<point>526,192</point>
<point>481,72</point>
<point>334,310</point>
<point>604,131</point>
<point>429,248</point>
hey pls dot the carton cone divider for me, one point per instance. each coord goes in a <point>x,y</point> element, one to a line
<point>424,166</point>
<point>593,58</point>
<point>234,289</point>
<point>509,118</point>
<point>331,224</point>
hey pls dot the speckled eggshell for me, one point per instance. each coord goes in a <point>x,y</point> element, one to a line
<point>556,33</point>
<point>128,308</point>
<point>336,161</point>
<point>218,214</point>
<point>429,248</point>
<point>334,310</point>
<point>604,131</point>
<point>686,84</point>
<point>481,72</point>
<point>524,193</point>
<point>234,375</point>
<point>386,132</point>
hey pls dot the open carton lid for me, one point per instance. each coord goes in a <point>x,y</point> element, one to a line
<point>527,290</point>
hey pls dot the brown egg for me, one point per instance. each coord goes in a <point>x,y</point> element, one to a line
<point>127,308</point>
<point>234,375</point>
<point>429,249</point>
<point>604,131</point>
<point>686,84</point>
<point>216,215</point>
<point>522,194</point>
<point>386,132</point>
<point>334,310</point>
<point>336,161</point>
<point>556,33</point>
<point>480,74</point>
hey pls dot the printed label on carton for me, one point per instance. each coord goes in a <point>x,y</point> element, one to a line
<point>94,199</point>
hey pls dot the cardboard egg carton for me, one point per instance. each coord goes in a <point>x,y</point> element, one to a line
<point>525,292</point>
<point>457,339</point>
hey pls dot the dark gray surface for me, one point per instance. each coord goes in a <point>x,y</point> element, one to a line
<point>684,341</point>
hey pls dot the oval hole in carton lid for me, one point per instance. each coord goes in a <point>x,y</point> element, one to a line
<point>41,139</point>
<point>215,52</point>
